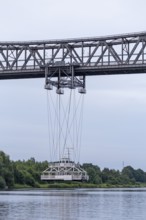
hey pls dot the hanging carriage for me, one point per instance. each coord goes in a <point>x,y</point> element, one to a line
<point>68,128</point>
<point>64,170</point>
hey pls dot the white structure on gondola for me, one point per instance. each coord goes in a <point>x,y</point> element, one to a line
<point>65,170</point>
<point>68,127</point>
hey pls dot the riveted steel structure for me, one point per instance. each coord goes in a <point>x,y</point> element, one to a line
<point>119,54</point>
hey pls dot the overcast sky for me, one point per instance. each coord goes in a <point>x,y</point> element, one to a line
<point>115,106</point>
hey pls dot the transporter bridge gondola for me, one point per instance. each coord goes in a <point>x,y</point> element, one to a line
<point>65,125</point>
<point>64,170</point>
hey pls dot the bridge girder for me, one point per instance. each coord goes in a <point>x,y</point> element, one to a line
<point>119,54</point>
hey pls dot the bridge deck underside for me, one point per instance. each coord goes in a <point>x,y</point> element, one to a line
<point>82,71</point>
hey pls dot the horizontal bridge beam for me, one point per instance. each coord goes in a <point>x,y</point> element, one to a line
<point>80,71</point>
<point>118,54</point>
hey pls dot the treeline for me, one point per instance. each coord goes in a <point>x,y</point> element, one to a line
<point>14,174</point>
<point>26,173</point>
<point>111,177</point>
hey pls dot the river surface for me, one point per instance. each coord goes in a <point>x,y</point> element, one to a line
<point>77,204</point>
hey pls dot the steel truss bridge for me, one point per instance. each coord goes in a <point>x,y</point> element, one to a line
<point>119,54</point>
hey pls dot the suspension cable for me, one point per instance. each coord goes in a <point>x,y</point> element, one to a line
<point>66,127</point>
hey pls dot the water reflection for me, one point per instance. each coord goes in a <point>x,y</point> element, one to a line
<point>73,205</point>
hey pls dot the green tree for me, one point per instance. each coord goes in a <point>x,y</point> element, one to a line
<point>6,170</point>
<point>2,183</point>
<point>93,172</point>
<point>129,172</point>
<point>140,176</point>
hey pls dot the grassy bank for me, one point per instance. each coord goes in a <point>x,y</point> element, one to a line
<point>74,185</point>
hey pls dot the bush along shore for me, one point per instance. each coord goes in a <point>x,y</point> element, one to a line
<point>26,174</point>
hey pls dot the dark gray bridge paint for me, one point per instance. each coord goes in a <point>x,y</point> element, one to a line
<point>119,54</point>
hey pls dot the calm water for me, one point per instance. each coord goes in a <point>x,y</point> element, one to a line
<point>73,205</point>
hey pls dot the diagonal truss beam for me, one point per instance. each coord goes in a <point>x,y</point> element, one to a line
<point>140,53</point>
<point>132,52</point>
<point>17,57</point>
<point>89,56</point>
<point>113,53</point>
<point>92,54</point>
